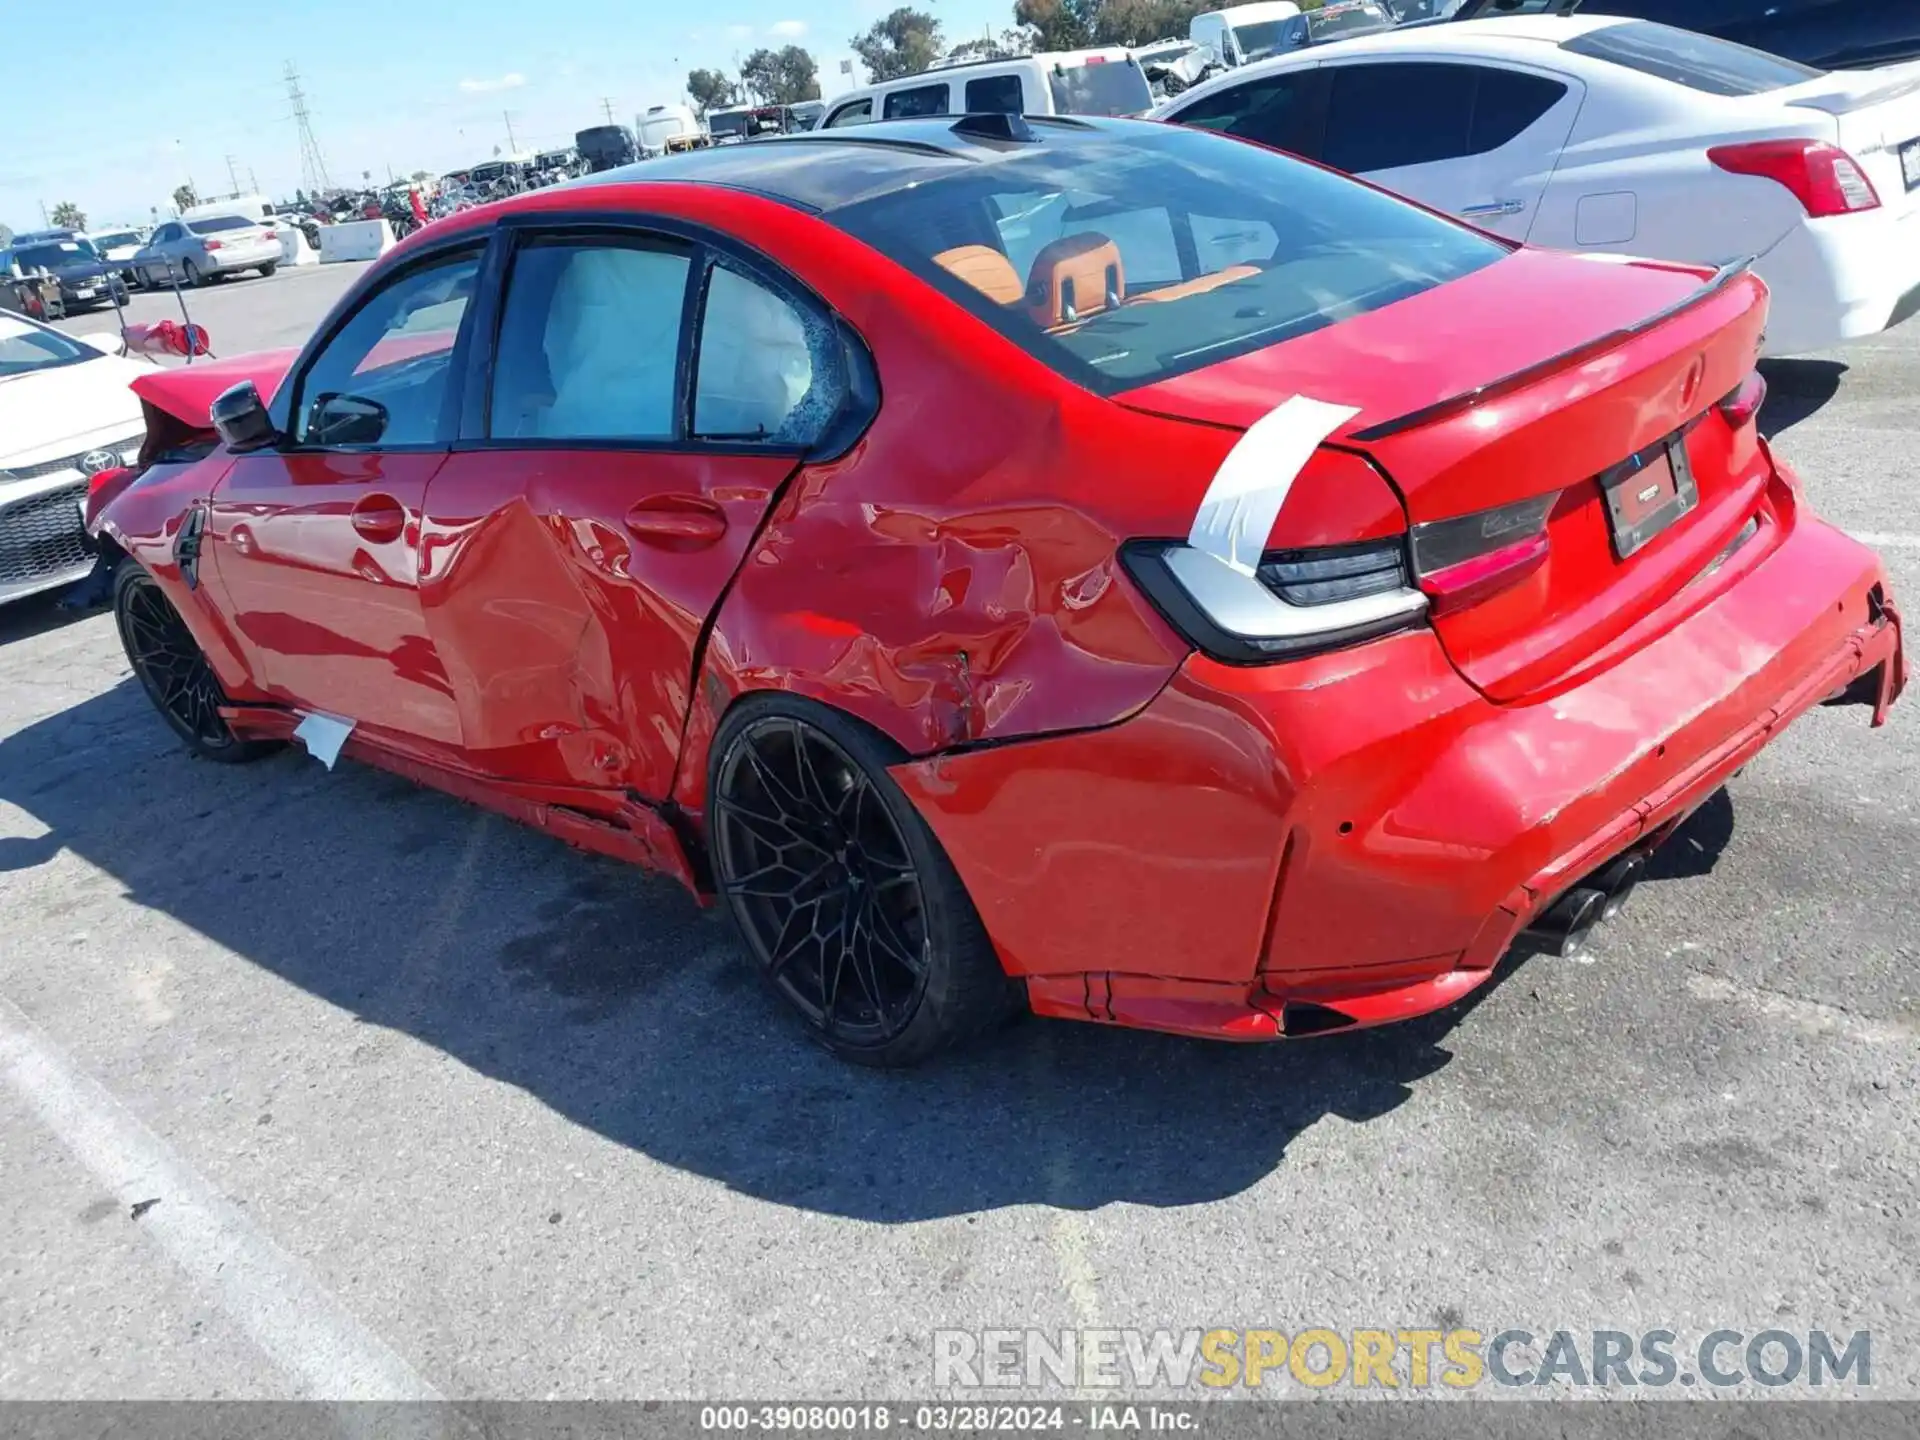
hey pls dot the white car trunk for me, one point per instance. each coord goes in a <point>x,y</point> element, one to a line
<point>1877,116</point>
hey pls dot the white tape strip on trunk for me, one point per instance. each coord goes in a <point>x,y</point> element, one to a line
<point>1240,506</point>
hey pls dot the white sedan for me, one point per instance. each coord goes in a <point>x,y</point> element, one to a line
<point>66,414</point>
<point>1620,136</point>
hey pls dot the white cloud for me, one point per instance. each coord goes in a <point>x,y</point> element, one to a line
<point>739,32</point>
<point>513,80</point>
<point>787,29</point>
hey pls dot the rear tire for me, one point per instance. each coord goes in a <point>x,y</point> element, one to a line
<point>266,270</point>
<point>191,273</point>
<point>849,907</point>
<point>174,672</point>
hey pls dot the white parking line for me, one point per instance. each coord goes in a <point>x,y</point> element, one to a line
<point>1889,542</point>
<point>271,1295</point>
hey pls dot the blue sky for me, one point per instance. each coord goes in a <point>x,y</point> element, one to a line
<point>409,84</point>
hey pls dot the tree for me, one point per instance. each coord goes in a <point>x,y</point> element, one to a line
<point>780,77</point>
<point>184,197</point>
<point>1077,24</point>
<point>709,90</point>
<point>69,216</point>
<point>904,43</point>
<point>1004,46</point>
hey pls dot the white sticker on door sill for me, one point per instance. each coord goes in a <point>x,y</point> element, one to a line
<point>323,736</point>
<point>1237,512</point>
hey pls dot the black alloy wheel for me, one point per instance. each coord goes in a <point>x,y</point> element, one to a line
<point>174,671</point>
<point>845,900</point>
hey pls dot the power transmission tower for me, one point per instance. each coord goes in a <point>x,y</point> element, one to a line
<point>606,104</point>
<point>313,167</point>
<point>233,178</point>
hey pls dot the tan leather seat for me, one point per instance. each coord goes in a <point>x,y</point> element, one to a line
<point>1074,277</point>
<point>1195,287</point>
<point>986,270</point>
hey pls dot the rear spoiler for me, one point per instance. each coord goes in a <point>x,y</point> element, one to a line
<point>1467,399</point>
<point>1475,9</point>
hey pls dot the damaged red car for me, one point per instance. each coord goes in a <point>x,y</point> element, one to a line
<point>1089,566</point>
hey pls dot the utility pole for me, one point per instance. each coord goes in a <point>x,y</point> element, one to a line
<point>45,218</point>
<point>606,104</point>
<point>313,168</point>
<point>233,179</point>
<point>253,184</point>
<point>513,146</point>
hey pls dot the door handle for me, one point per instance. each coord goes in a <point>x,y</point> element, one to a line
<point>1494,207</point>
<point>379,519</point>
<point>677,522</point>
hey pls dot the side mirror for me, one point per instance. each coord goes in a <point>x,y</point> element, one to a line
<point>240,417</point>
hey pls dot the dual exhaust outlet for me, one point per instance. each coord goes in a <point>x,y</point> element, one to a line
<point>1566,925</point>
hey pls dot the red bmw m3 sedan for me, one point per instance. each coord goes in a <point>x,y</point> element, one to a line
<point>1089,566</point>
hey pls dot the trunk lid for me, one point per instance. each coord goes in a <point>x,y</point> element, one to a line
<point>1463,410</point>
<point>1876,114</point>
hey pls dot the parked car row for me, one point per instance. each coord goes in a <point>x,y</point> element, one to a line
<point>1616,136</point>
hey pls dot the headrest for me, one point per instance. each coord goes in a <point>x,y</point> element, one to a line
<point>1074,277</point>
<point>985,269</point>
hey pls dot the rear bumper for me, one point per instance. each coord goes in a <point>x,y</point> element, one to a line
<point>1358,837</point>
<point>1841,279</point>
<point>225,261</point>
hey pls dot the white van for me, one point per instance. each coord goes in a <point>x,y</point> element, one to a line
<point>1241,34</point>
<point>1067,82</point>
<point>662,123</point>
<point>252,207</point>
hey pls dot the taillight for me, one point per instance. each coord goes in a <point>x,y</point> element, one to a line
<point>1823,178</point>
<point>1744,401</point>
<point>112,475</point>
<point>1296,602</point>
<point>1462,561</point>
<point>212,244</point>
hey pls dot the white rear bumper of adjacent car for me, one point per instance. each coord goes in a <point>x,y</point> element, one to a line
<point>1842,278</point>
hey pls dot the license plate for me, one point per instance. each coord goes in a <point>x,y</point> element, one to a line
<point>1648,493</point>
<point>1910,163</point>
<point>83,292</point>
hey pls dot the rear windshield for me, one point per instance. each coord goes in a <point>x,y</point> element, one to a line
<point>1128,257</point>
<point>62,256</point>
<point>1699,62</point>
<point>1112,87</point>
<point>115,240</point>
<point>222,222</point>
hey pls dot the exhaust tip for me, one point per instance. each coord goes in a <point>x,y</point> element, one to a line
<point>1567,924</point>
<point>1619,883</point>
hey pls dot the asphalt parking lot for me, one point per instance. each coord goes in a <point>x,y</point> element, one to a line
<point>431,1104</point>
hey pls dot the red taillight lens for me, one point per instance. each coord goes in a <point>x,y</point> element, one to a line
<point>212,244</point>
<point>1745,400</point>
<point>101,479</point>
<point>1460,562</point>
<point>1823,178</point>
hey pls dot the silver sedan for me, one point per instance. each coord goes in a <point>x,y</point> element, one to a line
<point>193,252</point>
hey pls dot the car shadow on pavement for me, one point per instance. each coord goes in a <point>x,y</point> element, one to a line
<point>613,998</point>
<point>36,615</point>
<point>1796,389</point>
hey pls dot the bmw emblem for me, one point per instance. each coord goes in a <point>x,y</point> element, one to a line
<point>94,461</point>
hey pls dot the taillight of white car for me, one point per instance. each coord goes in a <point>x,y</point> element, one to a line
<point>1822,177</point>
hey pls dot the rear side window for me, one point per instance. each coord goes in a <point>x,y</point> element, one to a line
<point>997,94</point>
<point>1507,102</point>
<point>1109,87</point>
<point>1382,117</point>
<point>1699,62</point>
<point>1284,111</point>
<point>764,369</point>
<point>920,100</point>
<point>858,113</point>
<point>590,343</point>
